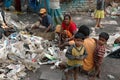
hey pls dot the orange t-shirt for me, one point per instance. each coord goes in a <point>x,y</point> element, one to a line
<point>88,62</point>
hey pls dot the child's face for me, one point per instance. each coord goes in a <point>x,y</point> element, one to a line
<point>78,42</point>
<point>101,41</point>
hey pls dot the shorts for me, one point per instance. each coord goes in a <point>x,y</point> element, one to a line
<point>99,14</point>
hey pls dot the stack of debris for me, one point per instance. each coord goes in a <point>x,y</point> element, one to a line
<point>19,52</point>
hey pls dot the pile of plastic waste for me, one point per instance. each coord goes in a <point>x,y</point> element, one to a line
<point>19,52</point>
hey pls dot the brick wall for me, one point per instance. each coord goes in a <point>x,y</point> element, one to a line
<point>77,6</point>
<point>80,6</point>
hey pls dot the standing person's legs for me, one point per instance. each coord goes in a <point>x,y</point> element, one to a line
<point>18,5</point>
<point>99,14</point>
<point>67,75</point>
<point>97,22</point>
<point>76,70</point>
<point>98,72</point>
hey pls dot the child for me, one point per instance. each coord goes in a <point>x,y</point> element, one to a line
<point>99,14</point>
<point>99,53</point>
<point>75,55</point>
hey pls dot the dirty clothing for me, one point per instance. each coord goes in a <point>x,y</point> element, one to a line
<point>74,52</point>
<point>46,21</point>
<point>98,58</point>
<point>99,54</point>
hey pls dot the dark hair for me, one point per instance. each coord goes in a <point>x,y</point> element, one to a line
<point>104,35</point>
<point>79,35</point>
<point>84,30</point>
<point>67,15</point>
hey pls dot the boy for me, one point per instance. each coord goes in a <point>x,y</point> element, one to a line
<point>90,45</point>
<point>75,55</point>
<point>99,52</point>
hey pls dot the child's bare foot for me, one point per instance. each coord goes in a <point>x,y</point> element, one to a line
<point>96,27</point>
<point>101,26</point>
<point>98,76</point>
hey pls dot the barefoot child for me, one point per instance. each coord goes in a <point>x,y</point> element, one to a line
<point>99,13</point>
<point>99,53</point>
<point>75,55</point>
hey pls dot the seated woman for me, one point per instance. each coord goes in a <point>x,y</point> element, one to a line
<point>67,31</point>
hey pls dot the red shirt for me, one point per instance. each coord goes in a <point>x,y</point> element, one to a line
<point>71,27</point>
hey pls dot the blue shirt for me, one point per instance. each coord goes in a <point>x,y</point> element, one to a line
<point>100,4</point>
<point>46,21</point>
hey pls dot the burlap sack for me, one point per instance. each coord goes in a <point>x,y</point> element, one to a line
<point>48,35</point>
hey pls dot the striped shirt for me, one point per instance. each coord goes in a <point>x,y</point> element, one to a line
<point>99,54</point>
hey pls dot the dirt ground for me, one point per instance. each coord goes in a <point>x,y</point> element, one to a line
<point>110,67</point>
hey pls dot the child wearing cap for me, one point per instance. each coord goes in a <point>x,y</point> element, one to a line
<point>75,54</point>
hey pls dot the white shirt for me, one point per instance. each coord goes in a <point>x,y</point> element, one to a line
<point>54,4</point>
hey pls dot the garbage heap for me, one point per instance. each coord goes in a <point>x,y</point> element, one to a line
<point>19,52</point>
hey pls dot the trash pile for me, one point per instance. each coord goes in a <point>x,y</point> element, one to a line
<point>19,52</point>
<point>114,10</point>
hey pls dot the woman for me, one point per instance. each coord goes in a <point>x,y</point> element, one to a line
<point>55,12</point>
<point>70,27</point>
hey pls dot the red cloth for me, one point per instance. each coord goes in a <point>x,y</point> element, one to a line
<point>71,27</point>
<point>17,5</point>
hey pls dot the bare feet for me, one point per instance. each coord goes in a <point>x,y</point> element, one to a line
<point>101,26</point>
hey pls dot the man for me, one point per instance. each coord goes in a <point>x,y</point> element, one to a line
<point>45,20</point>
